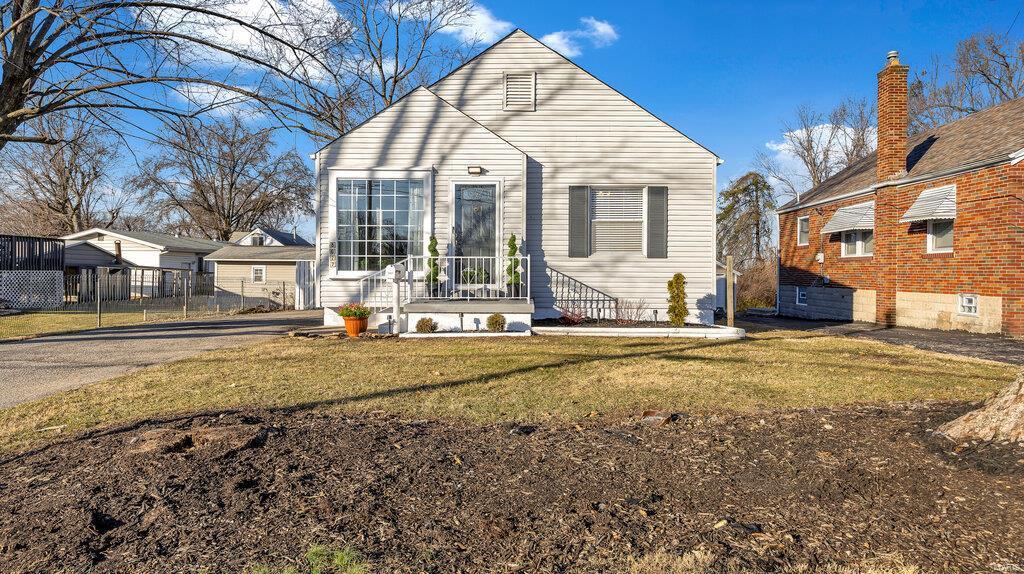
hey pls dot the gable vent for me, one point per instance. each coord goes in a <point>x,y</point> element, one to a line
<point>520,91</point>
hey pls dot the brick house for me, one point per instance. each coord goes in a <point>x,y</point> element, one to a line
<point>926,232</point>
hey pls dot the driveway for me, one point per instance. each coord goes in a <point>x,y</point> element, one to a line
<point>992,347</point>
<point>34,368</point>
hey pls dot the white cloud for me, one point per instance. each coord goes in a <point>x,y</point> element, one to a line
<point>569,43</point>
<point>481,26</point>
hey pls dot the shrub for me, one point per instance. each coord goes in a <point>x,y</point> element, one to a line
<point>677,311</point>
<point>496,323</point>
<point>573,314</point>
<point>357,310</point>
<point>426,325</point>
<point>512,270</point>
<point>433,269</point>
<point>476,276</point>
<point>630,311</point>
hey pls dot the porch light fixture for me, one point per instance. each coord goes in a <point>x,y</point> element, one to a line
<point>475,170</point>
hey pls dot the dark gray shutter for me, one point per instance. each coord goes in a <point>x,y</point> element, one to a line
<point>579,221</point>
<point>657,222</point>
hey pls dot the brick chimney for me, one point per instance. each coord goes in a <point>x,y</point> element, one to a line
<point>893,119</point>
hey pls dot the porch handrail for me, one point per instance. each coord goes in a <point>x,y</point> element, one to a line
<point>375,289</point>
<point>468,277</point>
<point>574,296</point>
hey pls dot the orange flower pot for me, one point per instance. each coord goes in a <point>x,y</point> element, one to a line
<point>355,325</point>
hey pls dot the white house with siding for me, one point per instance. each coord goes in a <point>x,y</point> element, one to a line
<point>139,249</point>
<point>605,201</point>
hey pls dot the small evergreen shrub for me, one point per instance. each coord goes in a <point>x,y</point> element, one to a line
<point>433,269</point>
<point>496,323</point>
<point>512,270</point>
<point>677,311</point>
<point>426,325</point>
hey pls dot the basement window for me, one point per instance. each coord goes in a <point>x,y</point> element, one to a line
<point>968,304</point>
<point>519,92</point>
<point>801,295</point>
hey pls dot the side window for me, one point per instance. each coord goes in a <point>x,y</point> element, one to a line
<point>801,295</point>
<point>616,220</point>
<point>803,230</point>
<point>940,236</point>
<point>968,304</point>
<point>259,273</point>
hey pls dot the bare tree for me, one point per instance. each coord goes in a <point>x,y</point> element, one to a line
<point>819,146</point>
<point>56,189</point>
<point>112,56</point>
<point>218,177</point>
<point>987,69</point>
<point>395,44</point>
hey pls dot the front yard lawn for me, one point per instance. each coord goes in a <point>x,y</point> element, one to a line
<point>45,323</point>
<point>526,379</point>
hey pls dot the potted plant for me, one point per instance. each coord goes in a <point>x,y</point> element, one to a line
<point>356,316</point>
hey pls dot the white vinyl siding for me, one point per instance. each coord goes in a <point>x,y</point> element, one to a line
<point>584,132</point>
<point>617,220</point>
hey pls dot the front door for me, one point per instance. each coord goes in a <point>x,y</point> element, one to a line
<point>475,232</point>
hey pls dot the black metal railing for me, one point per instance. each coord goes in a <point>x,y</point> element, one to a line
<point>575,298</point>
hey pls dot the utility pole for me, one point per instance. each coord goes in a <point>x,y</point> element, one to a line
<point>730,286</point>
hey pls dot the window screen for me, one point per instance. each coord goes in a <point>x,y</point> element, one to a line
<point>617,220</point>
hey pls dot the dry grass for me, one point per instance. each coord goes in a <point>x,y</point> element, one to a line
<point>702,562</point>
<point>43,323</point>
<point>535,378</point>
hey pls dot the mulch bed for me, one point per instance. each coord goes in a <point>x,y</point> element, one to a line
<point>760,492</point>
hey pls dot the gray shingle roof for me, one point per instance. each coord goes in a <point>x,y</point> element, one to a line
<point>250,253</point>
<point>285,237</point>
<point>990,134</point>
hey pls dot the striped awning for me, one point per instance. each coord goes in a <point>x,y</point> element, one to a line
<point>935,203</point>
<point>852,217</point>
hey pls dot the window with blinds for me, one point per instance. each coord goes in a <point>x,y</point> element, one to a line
<point>520,91</point>
<point>617,220</point>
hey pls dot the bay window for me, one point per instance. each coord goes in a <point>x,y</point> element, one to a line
<point>379,222</point>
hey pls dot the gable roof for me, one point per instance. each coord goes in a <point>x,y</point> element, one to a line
<point>162,241</point>
<point>418,90</point>
<point>281,236</point>
<point>489,48</point>
<point>580,68</point>
<point>982,138</point>
<point>272,253</point>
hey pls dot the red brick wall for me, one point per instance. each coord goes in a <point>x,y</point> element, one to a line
<point>988,245</point>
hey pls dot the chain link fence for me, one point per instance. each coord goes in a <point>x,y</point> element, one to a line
<point>118,296</point>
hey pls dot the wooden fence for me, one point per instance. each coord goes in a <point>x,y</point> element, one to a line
<point>24,253</point>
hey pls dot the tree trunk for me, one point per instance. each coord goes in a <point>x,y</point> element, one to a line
<point>1000,418</point>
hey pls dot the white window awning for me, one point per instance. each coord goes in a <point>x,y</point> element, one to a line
<point>935,203</point>
<point>852,217</point>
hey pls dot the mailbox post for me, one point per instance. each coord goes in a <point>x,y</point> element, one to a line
<point>397,279</point>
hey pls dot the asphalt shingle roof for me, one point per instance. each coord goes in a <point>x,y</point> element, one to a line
<point>990,134</point>
<point>250,253</point>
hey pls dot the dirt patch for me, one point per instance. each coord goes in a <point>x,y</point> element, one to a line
<point>756,493</point>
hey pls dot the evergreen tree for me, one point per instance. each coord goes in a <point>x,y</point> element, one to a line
<point>745,219</point>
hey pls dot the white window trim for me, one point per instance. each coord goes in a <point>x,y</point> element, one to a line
<point>498,207</point>
<point>252,274</point>
<point>533,92</point>
<point>806,218</point>
<point>960,304</point>
<point>931,238</point>
<point>798,289</point>
<point>643,220</point>
<point>858,249</point>
<point>333,175</point>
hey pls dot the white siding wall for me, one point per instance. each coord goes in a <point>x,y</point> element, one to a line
<point>140,255</point>
<point>584,133</point>
<point>420,131</point>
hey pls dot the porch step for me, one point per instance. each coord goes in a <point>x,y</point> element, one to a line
<point>471,306</point>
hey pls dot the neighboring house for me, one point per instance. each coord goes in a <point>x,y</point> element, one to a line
<point>721,286</point>
<point>267,237</point>
<point>926,232</point>
<point>279,274</point>
<point>140,249</point>
<point>604,199</point>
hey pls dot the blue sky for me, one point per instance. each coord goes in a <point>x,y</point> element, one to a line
<point>727,73</point>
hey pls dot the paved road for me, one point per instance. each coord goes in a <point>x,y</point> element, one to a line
<point>992,347</point>
<point>34,368</point>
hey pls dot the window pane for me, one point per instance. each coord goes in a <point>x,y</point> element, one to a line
<point>942,234</point>
<point>804,231</point>
<point>378,222</point>
<point>616,220</point>
<point>868,238</point>
<point>849,243</point>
